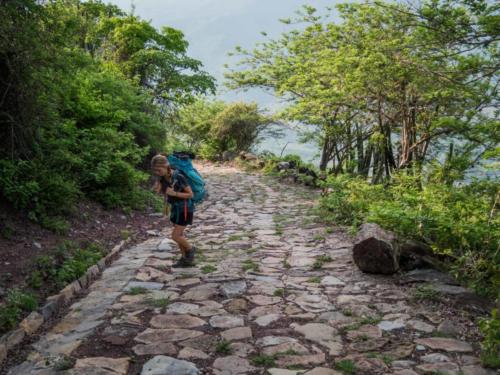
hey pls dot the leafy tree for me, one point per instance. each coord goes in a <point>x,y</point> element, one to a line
<point>382,92</point>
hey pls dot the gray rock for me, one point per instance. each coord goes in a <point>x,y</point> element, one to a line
<point>233,288</point>
<point>163,365</point>
<point>435,358</point>
<point>448,345</point>
<point>448,328</point>
<point>376,250</point>
<point>389,326</point>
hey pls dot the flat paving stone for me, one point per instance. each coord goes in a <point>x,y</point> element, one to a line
<point>155,336</point>
<point>176,321</point>
<point>226,321</point>
<point>162,365</point>
<point>446,344</point>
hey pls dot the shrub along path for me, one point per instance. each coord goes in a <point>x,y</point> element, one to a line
<point>272,290</point>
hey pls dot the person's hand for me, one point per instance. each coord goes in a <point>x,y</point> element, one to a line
<point>170,191</point>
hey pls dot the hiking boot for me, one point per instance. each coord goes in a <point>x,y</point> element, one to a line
<point>190,255</point>
<point>182,263</point>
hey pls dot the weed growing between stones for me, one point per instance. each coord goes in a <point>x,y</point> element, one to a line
<point>314,279</point>
<point>223,347</point>
<point>160,303</point>
<point>426,293</point>
<point>136,290</point>
<point>264,360</point>
<point>280,292</point>
<point>208,269</point>
<point>320,261</point>
<point>346,366</point>
<point>249,265</point>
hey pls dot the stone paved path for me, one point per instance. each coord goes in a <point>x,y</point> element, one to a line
<point>272,293</point>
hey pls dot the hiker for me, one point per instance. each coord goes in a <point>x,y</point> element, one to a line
<point>174,186</point>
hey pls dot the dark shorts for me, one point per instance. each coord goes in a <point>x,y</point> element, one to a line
<point>180,217</point>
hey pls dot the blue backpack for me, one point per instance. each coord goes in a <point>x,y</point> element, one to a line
<point>183,163</point>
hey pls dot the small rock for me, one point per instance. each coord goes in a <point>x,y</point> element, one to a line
<point>448,328</point>
<point>233,288</point>
<point>405,372</point>
<point>476,370</point>
<point>100,364</point>
<point>322,371</point>
<point>435,358</point>
<point>236,305</point>
<point>265,320</point>
<point>389,326</point>
<point>152,336</point>
<point>301,360</point>
<point>448,368</point>
<point>188,353</point>
<point>238,333</point>
<point>365,332</point>
<point>226,321</point>
<point>162,365</point>
<point>274,340</point>
<point>446,344</point>
<point>176,321</point>
<point>181,308</point>
<point>165,348</point>
<point>403,364</point>
<point>418,325</point>
<point>331,281</point>
<point>32,322</point>
<point>264,300</point>
<point>37,245</point>
<point>205,343</point>
<point>232,365</point>
<point>280,371</point>
<point>286,347</point>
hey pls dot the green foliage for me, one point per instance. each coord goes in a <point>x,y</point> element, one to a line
<point>320,261</point>
<point>160,303</point>
<point>249,265</point>
<point>383,86</point>
<point>136,290</point>
<point>459,222</point>
<point>89,92</point>
<point>264,360</point>
<point>68,263</point>
<point>426,293</point>
<point>347,366</point>
<point>14,305</point>
<point>490,347</point>
<point>208,269</point>
<point>210,128</point>
<point>223,347</point>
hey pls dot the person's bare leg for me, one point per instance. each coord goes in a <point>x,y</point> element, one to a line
<point>177,236</point>
<point>181,240</point>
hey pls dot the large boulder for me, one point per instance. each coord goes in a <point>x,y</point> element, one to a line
<point>228,155</point>
<point>376,250</point>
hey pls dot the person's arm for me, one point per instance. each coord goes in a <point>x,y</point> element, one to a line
<point>186,194</point>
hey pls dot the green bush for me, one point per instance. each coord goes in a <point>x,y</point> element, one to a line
<point>68,263</point>
<point>15,304</point>
<point>490,353</point>
<point>458,222</point>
